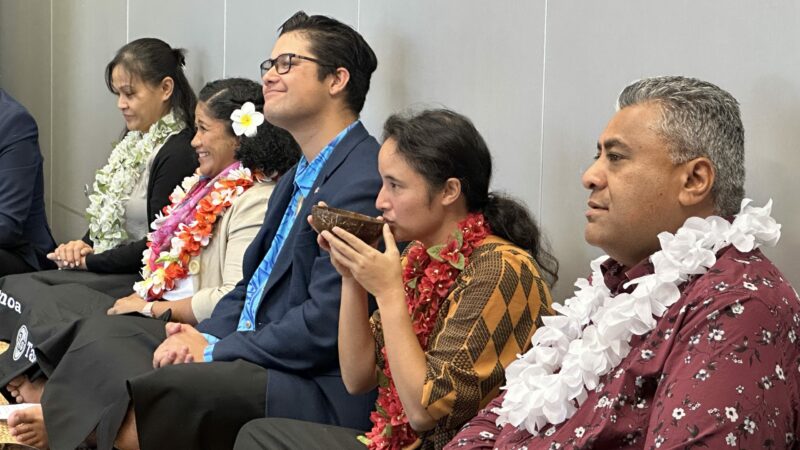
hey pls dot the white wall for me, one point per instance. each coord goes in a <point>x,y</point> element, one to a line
<point>539,79</point>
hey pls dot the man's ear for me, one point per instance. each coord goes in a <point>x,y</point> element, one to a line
<point>339,80</point>
<point>451,192</point>
<point>698,179</point>
<point>167,85</point>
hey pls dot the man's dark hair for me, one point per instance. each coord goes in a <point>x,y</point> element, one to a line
<point>337,45</point>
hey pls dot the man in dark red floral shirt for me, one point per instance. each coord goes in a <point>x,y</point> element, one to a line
<point>719,367</point>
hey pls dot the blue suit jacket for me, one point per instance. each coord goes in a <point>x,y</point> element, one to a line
<point>23,223</point>
<point>296,333</point>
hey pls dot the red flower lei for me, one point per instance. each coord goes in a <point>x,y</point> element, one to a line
<point>161,276</point>
<point>428,277</point>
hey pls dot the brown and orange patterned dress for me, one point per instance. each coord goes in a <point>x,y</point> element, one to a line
<point>486,320</point>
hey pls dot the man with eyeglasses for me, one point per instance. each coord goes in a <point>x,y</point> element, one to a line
<point>283,316</point>
<point>270,347</point>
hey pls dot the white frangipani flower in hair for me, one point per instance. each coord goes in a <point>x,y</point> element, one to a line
<point>246,120</point>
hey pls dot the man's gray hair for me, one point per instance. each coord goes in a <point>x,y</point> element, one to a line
<point>698,119</point>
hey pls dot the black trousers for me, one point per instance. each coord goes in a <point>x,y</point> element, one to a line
<point>100,366</point>
<point>35,306</point>
<point>289,434</point>
<point>11,263</point>
<point>57,297</point>
<point>197,406</point>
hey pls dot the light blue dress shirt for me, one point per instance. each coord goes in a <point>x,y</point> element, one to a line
<point>304,178</point>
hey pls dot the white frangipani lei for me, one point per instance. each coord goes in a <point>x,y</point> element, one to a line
<point>591,334</point>
<point>115,181</point>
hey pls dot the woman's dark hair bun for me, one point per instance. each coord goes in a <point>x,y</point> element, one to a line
<point>180,56</point>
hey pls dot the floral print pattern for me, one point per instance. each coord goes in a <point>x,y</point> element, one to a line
<point>714,373</point>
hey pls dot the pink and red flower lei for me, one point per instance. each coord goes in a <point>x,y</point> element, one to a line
<point>428,277</point>
<point>161,275</point>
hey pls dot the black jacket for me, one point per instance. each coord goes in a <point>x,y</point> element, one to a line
<point>23,223</point>
<point>297,329</point>
<point>175,161</point>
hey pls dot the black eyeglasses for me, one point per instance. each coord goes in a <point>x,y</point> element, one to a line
<point>283,63</point>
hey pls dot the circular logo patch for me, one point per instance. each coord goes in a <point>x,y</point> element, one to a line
<point>22,342</point>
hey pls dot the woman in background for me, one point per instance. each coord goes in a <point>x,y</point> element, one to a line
<point>154,155</point>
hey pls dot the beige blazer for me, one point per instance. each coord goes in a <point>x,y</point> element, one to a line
<point>221,261</point>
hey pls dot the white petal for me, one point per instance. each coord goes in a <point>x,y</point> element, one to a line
<point>238,128</point>
<point>248,107</point>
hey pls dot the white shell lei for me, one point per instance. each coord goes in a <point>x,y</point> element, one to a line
<point>591,334</point>
<point>114,182</point>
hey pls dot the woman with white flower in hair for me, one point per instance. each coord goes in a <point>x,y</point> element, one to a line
<point>194,253</point>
